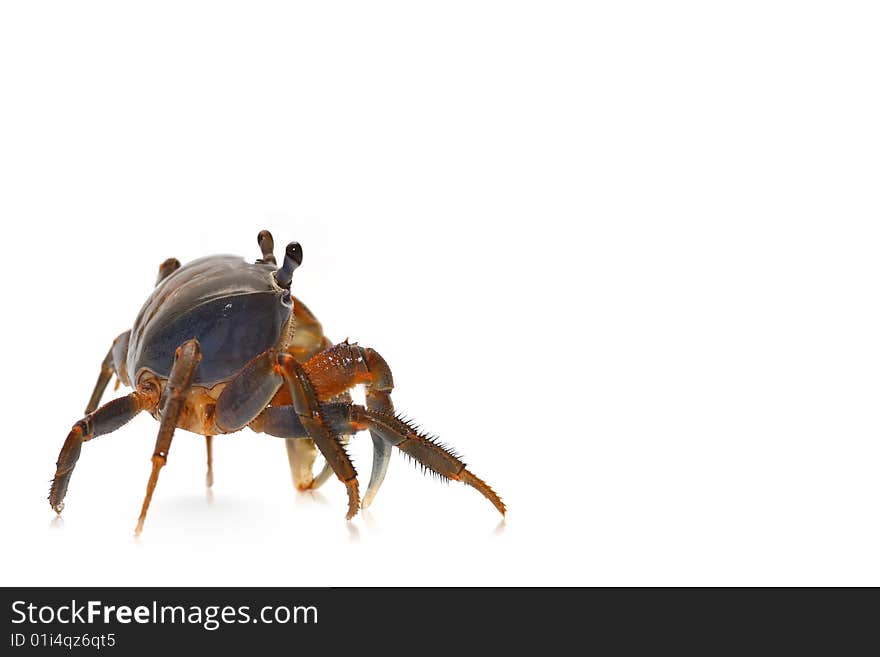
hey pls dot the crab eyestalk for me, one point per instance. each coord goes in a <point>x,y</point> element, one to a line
<point>293,257</point>
<point>267,246</point>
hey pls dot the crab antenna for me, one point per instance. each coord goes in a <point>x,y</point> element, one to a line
<point>293,257</point>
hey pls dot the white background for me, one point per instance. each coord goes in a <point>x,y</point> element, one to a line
<point>623,256</point>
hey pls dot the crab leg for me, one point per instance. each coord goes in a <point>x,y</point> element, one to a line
<point>248,393</point>
<point>107,371</point>
<point>186,361</point>
<point>305,401</point>
<point>167,268</point>
<point>321,478</point>
<point>209,476</point>
<point>109,417</point>
<point>101,383</point>
<point>425,450</point>
<point>283,421</point>
<point>301,455</point>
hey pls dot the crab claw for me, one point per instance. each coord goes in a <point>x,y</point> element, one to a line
<point>381,459</point>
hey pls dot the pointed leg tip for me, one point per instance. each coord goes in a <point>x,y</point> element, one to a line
<point>485,490</point>
<point>354,499</point>
<point>322,477</point>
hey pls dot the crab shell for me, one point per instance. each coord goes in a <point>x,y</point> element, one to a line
<point>234,308</point>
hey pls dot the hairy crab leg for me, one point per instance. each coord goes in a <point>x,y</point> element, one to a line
<point>316,481</point>
<point>424,450</point>
<point>186,361</point>
<point>305,401</point>
<point>324,474</point>
<point>106,419</point>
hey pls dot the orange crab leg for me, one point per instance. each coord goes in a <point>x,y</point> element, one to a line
<point>186,360</point>
<point>425,450</point>
<point>305,401</point>
<point>209,476</point>
<point>106,419</point>
<point>167,268</point>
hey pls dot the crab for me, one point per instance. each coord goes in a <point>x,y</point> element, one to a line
<point>221,344</point>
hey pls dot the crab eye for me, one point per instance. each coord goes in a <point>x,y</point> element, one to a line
<point>293,256</point>
<point>294,252</point>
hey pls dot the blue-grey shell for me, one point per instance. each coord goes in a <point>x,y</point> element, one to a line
<point>234,308</point>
